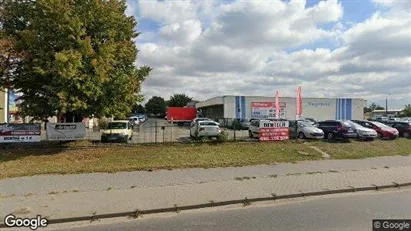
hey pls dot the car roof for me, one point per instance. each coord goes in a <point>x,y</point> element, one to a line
<point>119,121</point>
<point>207,121</point>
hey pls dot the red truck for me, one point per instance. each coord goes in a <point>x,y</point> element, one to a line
<point>181,115</point>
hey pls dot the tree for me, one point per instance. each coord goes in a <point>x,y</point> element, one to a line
<point>373,107</point>
<point>179,100</point>
<point>79,56</point>
<point>407,110</point>
<point>138,108</point>
<point>156,105</point>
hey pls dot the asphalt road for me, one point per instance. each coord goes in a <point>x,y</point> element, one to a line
<point>339,212</point>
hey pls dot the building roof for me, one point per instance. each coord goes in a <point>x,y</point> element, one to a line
<point>389,110</point>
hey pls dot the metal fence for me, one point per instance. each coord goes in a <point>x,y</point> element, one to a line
<point>159,132</point>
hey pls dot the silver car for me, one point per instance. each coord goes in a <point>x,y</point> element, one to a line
<point>308,130</point>
<point>205,128</point>
<point>363,132</point>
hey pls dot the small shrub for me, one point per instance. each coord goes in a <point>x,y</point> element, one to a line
<point>223,136</point>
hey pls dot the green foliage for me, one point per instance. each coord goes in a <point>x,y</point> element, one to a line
<point>179,100</point>
<point>373,107</point>
<point>156,105</point>
<point>223,136</point>
<point>407,111</point>
<point>138,108</point>
<point>78,56</point>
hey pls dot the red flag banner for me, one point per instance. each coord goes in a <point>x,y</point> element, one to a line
<point>299,103</point>
<point>277,105</point>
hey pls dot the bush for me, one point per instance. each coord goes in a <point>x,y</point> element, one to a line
<point>223,136</point>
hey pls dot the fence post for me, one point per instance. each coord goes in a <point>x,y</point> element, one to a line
<point>234,128</point>
<point>164,129</point>
<point>155,132</point>
<point>296,130</point>
<point>171,139</point>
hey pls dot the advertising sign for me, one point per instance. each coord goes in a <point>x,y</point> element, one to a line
<point>13,107</point>
<point>265,110</point>
<point>14,133</point>
<point>66,131</point>
<point>274,130</point>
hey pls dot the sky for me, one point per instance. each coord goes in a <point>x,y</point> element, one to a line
<point>209,48</point>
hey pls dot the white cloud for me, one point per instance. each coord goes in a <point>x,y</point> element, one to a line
<point>205,49</point>
<point>182,33</point>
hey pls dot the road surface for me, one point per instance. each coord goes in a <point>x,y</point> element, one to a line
<point>339,212</point>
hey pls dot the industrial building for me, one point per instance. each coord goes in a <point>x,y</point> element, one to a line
<point>226,109</point>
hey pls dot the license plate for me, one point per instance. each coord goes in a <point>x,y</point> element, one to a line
<point>112,138</point>
<point>350,130</point>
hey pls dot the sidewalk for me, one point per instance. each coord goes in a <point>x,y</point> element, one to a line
<point>45,184</point>
<point>120,202</point>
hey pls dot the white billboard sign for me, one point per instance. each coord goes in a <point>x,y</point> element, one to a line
<point>274,124</point>
<point>66,131</point>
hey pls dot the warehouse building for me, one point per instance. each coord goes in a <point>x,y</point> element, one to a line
<point>226,109</point>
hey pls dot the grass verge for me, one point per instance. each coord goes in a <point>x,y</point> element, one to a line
<point>364,149</point>
<point>26,162</point>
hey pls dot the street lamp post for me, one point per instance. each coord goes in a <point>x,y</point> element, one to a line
<point>386,105</point>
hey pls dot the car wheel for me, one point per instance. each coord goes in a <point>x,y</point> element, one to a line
<point>330,136</point>
<point>250,134</point>
<point>301,135</point>
<point>406,135</point>
<point>379,135</point>
<point>126,140</point>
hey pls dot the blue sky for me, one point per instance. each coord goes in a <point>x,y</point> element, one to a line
<point>324,46</point>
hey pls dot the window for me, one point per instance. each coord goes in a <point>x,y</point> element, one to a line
<point>207,123</point>
<point>117,126</point>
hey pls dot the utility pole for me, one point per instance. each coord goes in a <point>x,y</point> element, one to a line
<point>386,105</point>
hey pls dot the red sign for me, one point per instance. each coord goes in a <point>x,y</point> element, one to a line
<point>273,133</point>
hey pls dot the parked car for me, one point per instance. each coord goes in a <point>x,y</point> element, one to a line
<point>306,130</point>
<point>254,128</point>
<point>195,120</point>
<point>205,128</point>
<point>383,130</point>
<point>142,118</point>
<point>135,121</point>
<point>363,132</point>
<point>118,130</point>
<point>404,128</point>
<point>337,129</point>
<point>310,121</point>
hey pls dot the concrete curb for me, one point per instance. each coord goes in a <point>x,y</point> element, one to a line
<point>136,213</point>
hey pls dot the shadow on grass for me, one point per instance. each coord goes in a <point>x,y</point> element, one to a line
<point>15,151</point>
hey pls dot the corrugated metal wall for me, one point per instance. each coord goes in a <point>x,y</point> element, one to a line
<point>239,107</point>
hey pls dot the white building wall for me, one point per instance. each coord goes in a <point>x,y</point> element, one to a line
<point>318,108</point>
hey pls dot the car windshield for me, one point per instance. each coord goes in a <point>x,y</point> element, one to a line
<point>304,124</point>
<point>381,125</point>
<point>208,123</point>
<point>350,124</point>
<point>117,125</point>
